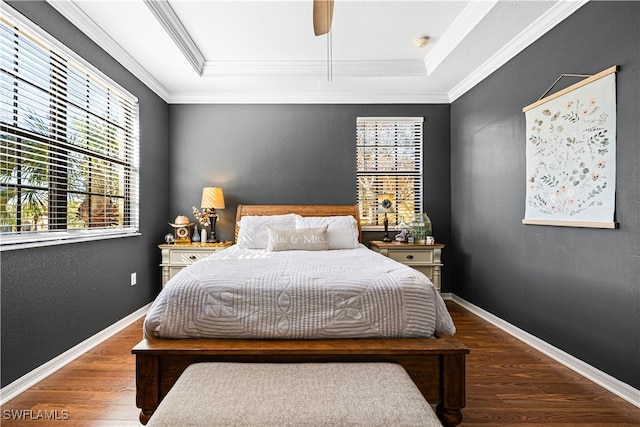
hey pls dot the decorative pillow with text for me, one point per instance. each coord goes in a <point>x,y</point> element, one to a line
<point>297,239</point>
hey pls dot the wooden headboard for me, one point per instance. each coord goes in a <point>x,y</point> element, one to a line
<point>302,210</point>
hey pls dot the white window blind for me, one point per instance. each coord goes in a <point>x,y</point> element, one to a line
<point>69,158</point>
<point>389,161</point>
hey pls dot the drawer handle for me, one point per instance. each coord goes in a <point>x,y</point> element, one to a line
<point>409,256</point>
<point>192,257</point>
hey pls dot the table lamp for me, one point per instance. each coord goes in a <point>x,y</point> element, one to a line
<point>212,199</point>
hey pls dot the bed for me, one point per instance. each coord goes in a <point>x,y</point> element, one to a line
<point>177,336</point>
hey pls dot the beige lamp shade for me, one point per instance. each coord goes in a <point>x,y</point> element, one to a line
<point>212,198</point>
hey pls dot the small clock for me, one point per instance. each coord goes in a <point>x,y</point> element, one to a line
<point>181,229</point>
<point>182,234</point>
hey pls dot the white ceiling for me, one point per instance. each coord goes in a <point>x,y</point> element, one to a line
<point>264,51</point>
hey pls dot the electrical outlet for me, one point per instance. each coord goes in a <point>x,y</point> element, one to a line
<point>133,279</point>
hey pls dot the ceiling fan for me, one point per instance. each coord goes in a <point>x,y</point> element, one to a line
<point>322,16</point>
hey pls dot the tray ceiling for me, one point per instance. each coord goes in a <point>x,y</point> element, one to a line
<point>240,51</point>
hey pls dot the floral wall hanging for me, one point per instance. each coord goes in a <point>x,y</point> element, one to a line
<point>571,155</point>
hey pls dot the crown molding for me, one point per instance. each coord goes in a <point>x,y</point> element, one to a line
<point>310,98</point>
<point>178,33</point>
<point>77,17</point>
<point>556,14</point>
<point>458,31</point>
<point>400,68</point>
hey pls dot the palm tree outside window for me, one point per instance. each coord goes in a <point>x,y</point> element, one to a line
<point>69,155</point>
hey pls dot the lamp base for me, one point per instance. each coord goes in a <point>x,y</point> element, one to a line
<point>212,220</point>
<point>386,229</point>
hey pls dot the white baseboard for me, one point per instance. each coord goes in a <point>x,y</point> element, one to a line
<point>41,372</point>
<point>603,379</point>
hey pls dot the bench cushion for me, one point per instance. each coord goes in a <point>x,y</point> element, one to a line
<point>303,394</point>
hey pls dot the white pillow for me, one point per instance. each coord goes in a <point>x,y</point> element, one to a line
<point>298,239</point>
<point>252,233</point>
<point>342,231</point>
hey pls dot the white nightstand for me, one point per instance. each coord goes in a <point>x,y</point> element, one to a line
<point>176,257</point>
<point>424,258</point>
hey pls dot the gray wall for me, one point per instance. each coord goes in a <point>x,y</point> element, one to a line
<point>293,154</point>
<point>576,288</point>
<point>57,296</point>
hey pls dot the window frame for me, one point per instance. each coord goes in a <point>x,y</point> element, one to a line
<point>120,101</point>
<point>414,147</point>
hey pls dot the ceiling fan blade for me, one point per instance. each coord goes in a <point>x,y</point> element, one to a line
<point>322,16</point>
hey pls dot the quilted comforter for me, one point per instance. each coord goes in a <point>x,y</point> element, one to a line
<point>253,293</point>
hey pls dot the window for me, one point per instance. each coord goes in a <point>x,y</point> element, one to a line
<point>389,161</point>
<point>69,155</point>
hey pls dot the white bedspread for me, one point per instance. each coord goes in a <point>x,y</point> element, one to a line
<point>253,293</point>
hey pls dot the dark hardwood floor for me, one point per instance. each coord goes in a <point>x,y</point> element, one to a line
<point>508,384</point>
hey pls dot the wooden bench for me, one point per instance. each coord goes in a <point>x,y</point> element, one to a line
<point>436,366</point>
<point>294,394</point>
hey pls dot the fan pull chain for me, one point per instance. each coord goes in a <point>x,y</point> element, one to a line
<point>329,48</point>
<point>330,56</point>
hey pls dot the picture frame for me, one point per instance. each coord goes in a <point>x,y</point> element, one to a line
<point>571,155</point>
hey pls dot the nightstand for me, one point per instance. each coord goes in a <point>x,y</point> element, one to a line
<point>176,257</point>
<point>424,258</point>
